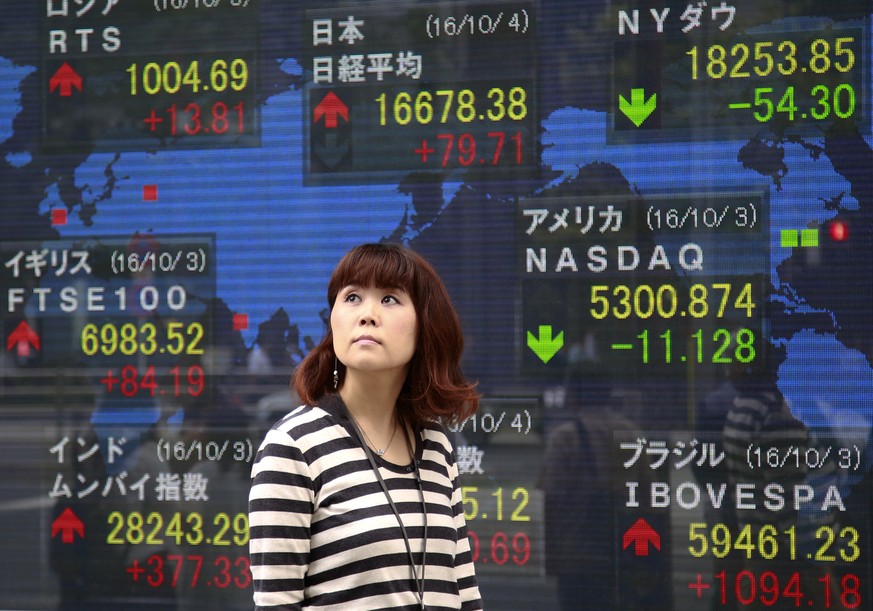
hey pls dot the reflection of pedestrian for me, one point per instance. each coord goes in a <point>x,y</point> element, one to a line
<point>579,506</point>
<point>93,570</point>
<point>213,574</point>
<point>355,501</point>
<point>82,564</point>
<point>712,414</point>
<point>760,418</point>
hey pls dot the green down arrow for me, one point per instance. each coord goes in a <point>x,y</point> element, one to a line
<point>545,346</point>
<point>638,109</point>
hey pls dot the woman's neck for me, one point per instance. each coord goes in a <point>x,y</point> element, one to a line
<point>370,399</point>
<point>373,407</point>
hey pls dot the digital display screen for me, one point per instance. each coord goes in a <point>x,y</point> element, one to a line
<point>652,218</point>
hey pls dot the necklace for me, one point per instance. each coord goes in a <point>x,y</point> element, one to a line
<point>379,451</point>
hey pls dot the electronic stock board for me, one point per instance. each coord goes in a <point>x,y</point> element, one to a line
<point>652,217</point>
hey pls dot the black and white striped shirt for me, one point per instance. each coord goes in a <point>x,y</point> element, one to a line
<point>761,418</point>
<point>323,535</point>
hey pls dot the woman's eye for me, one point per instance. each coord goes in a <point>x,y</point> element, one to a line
<point>351,297</point>
<point>390,299</point>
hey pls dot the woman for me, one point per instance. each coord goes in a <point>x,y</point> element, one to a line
<point>355,502</point>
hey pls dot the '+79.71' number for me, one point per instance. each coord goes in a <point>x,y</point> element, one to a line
<point>463,148</point>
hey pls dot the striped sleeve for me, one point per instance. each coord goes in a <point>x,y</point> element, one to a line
<point>465,575</point>
<point>281,502</point>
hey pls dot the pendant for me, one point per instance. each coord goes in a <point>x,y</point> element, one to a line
<point>380,452</point>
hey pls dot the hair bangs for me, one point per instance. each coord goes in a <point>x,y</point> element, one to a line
<point>435,389</point>
<point>373,265</point>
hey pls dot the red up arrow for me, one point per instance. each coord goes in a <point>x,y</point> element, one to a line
<point>22,339</point>
<point>65,78</point>
<point>641,534</point>
<point>68,524</point>
<point>330,107</point>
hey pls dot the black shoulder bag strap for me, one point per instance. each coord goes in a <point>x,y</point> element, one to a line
<point>418,581</point>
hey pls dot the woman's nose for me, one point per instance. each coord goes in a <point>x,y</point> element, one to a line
<point>368,317</point>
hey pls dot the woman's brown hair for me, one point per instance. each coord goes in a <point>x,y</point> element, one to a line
<point>435,388</point>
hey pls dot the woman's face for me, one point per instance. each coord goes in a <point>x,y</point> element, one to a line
<point>374,329</point>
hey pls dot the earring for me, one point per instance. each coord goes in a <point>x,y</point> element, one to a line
<point>335,374</point>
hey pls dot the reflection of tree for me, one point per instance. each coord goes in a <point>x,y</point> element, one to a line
<point>280,340</point>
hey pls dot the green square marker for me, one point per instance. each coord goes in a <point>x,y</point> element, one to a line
<point>809,238</point>
<point>788,238</point>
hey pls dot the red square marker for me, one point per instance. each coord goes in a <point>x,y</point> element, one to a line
<point>240,322</point>
<point>150,193</point>
<point>59,216</point>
